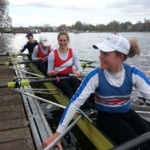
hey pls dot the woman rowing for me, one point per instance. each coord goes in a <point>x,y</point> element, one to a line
<point>40,54</point>
<point>112,83</point>
<point>29,45</point>
<point>60,63</point>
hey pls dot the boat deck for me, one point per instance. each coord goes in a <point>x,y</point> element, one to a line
<point>22,122</point>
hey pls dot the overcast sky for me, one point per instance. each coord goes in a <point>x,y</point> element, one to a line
<point>57,12</point>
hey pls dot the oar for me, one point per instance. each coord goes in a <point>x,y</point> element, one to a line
<point>51,145</point>
<point>13,54</point>
<point>55,104</point>
<point>68,128</point>
<point>27,72</point>
<point>88,61</point>
<point>87,66</point>
<point>41,91</point>
<point>142,112</point>
<point>27,82</point>
<point>134,142</point>
<point>16,78</point>
<point>42,99</point>
<point>11,63</point>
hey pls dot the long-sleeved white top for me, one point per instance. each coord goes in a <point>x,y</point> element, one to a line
<point>44,51</point>
<point>91,82</point>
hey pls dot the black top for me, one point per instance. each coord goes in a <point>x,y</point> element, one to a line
<point>29,46</point>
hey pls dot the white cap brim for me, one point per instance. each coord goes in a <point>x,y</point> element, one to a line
<point>45,44</point>
<point>103,47</point>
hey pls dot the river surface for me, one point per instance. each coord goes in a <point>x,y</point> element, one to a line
<point>82,43</point>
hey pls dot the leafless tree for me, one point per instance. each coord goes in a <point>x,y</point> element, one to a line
<point>5,19</point>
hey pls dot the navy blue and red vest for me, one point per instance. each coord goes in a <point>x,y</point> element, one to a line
<point>64,67</point>
<point>114,99</point>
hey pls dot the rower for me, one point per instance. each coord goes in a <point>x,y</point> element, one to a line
<point>60,63</point>
<point>41,52</point>
<point>29,45</point>
<point>112,82</point>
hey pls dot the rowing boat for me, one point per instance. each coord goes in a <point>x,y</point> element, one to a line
<point>95,135</point>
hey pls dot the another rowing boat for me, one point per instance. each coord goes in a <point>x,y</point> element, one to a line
<point>95,135</point>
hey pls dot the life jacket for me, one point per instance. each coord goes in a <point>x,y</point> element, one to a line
<point>114,99</point>
<point>64,66</point>
<point>40,53</point>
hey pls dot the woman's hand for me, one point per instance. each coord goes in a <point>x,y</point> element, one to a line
<point>54,72</point>
<point>42,59</point>
<point>77,73</point>
<point>49,140</point>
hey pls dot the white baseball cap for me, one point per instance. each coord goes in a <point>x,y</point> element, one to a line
<point>43,40</point>
<point>114,43</point>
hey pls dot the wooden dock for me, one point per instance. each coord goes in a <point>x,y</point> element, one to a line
<point>22,122</point>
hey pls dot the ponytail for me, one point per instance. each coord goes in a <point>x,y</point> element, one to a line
<point>134,48</point>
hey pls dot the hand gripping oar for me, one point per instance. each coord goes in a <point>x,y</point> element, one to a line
<point>68,128</point>
<point>13,54</point>
<point>16,84</point>
<point>11,63</point>
<point>51,145</point>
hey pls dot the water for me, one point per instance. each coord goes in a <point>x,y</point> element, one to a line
<point>82,44</point>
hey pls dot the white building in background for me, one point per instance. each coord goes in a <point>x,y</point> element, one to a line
<point>36,31</point>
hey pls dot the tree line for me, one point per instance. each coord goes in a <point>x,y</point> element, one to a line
<point>113,26</point>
